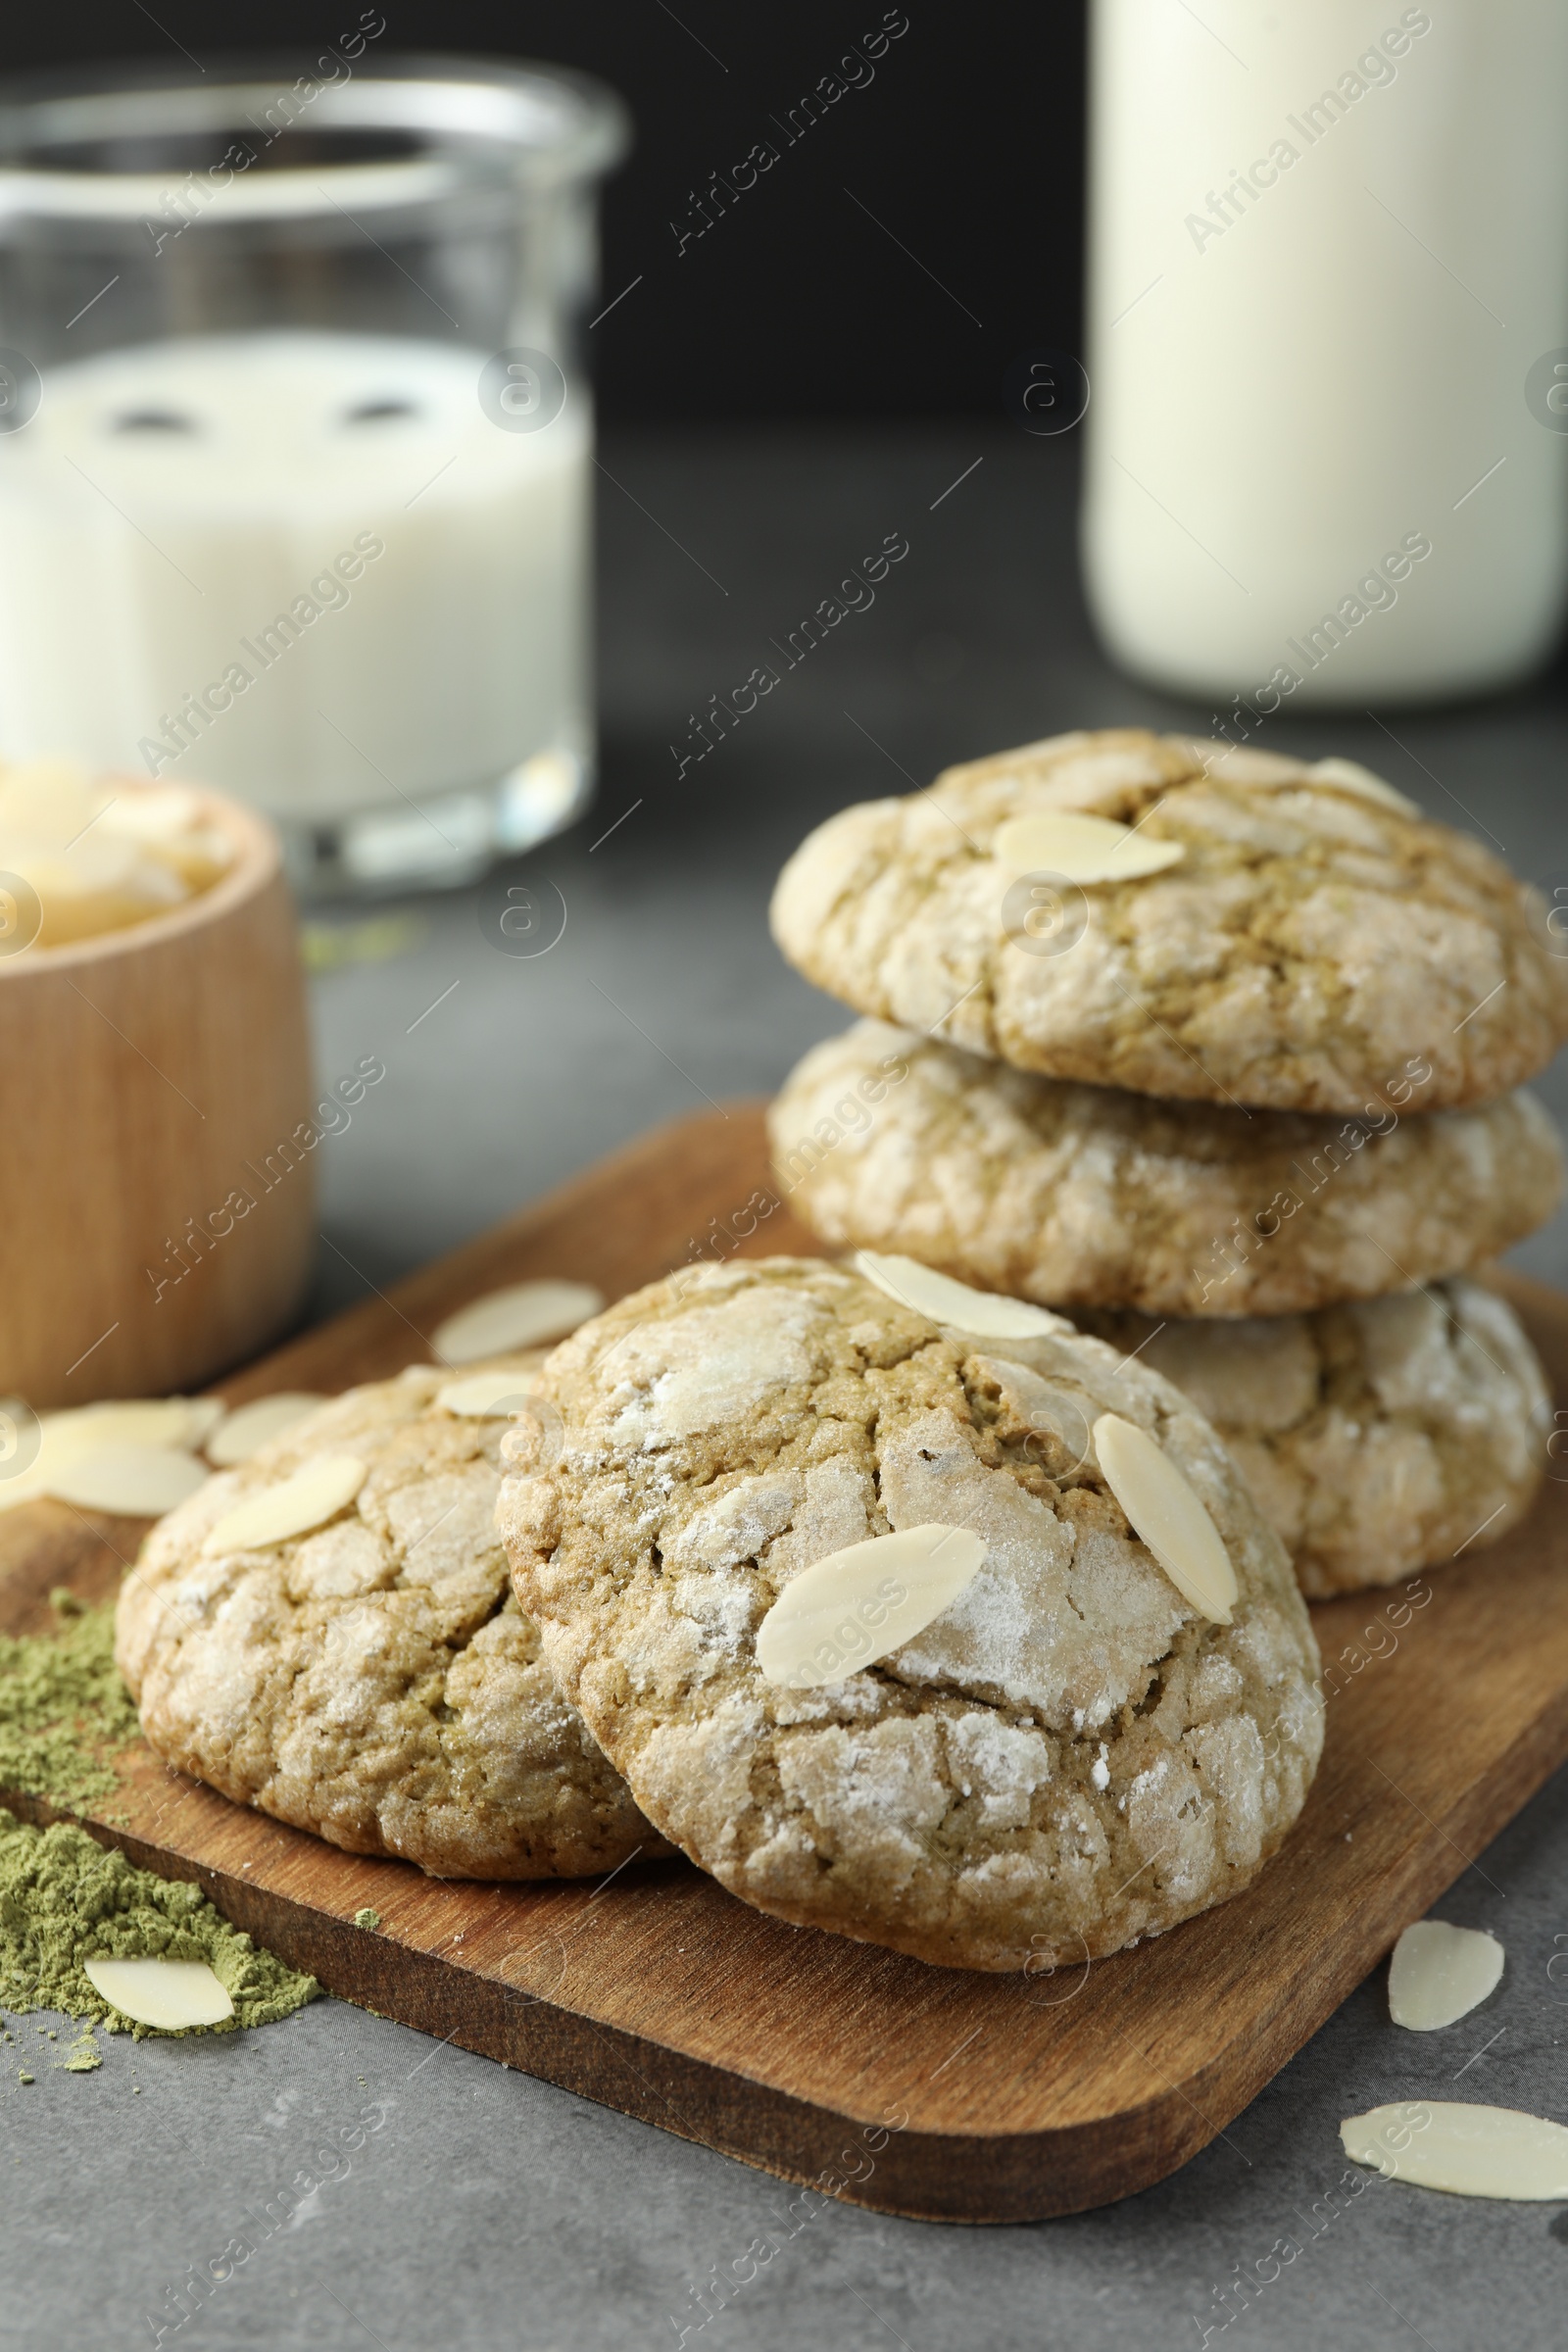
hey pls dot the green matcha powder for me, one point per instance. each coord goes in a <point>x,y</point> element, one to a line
<point>63,1898</point>
<point>63,1706</point>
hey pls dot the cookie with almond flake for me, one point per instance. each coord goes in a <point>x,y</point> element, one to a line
<point>1070,1755</point>
<point>1183,920</point>
<point>372,1677</point>
<point>1379,1438</point>
<point>1084,1196</point>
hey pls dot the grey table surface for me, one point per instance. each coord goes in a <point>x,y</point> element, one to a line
<point>487,2210</point>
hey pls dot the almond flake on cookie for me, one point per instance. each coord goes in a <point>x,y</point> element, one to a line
<point>1081,849</point>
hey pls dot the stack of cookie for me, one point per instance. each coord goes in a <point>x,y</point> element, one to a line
<point>1218,1052</point>
<point>899,1605</point>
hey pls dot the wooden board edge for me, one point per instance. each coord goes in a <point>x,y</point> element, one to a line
<point>919,2176</point>
<point>966,2179</point>
<point>954,2176</point>
<point>957,2177</point>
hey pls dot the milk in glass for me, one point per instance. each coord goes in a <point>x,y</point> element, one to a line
<point>309,567</point>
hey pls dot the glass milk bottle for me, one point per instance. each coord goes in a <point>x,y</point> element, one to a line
<point>294,485</point>
<point>1328,311</point>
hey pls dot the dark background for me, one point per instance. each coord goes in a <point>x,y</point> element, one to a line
<point>967,146</point>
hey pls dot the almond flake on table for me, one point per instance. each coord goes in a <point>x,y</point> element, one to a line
<point>171,1426</point>
<point>857,1605</point>
<point>180,1422</point>
<point>522,1316</point>
<point>137,1482</point>
<point>171,1994</point>
<point>1439,1974</point>
<point>1471,2151</point>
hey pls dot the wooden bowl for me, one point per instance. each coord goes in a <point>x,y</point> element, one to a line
<point>157,1190</point>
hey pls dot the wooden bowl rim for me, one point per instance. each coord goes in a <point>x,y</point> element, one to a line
<point>259,857</point>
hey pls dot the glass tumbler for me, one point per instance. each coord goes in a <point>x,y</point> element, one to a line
<point>296,444</point>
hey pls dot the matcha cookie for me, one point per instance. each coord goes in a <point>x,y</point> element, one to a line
<point>370,1675</point>
<point>1378,1439</point>
<point>1182,919</point>
<point>1081,1196</point>
<point>1072,1754</point>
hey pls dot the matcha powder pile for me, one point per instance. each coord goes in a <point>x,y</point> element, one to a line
<point>63,1706</point>
<point>65,1899</point>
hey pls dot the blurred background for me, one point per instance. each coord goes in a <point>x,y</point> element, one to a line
<point>837,357</point>
<point>966,142</point>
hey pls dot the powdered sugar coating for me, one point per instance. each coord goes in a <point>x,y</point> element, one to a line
<point>1082,1196</point>
<point>1378,1438</point>
<point>1067,1758</point>
<point>1309,942</point>
<point>375,1680</point>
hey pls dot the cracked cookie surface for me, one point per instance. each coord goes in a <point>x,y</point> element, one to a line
<point>1081,1196</point>
<point>1378,1438</point>
<point>1069,1758</point>
<point>1309,942</point>
<point>374,1678</point>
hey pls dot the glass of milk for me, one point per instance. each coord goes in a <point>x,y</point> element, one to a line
<point>296,443</point>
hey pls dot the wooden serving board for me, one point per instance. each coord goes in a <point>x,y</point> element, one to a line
<point>915,2090</point>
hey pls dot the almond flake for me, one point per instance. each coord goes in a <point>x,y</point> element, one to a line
<point>1081,849</point>
<point>155,812</point>
<point>165,1421</point>
<point>1167,1515</point>
<point>1351,776</point>
<point>852,1608</point>
<point>172,1994</point>
<point>309,1499</point>
<point>1470,2151</point>
<point>521,1316</point>
<point>138,1482</point>
<point>250,1427</point>
<point>1439,1972</point>
<point>485,1396</point>
<point>985,1313</point>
